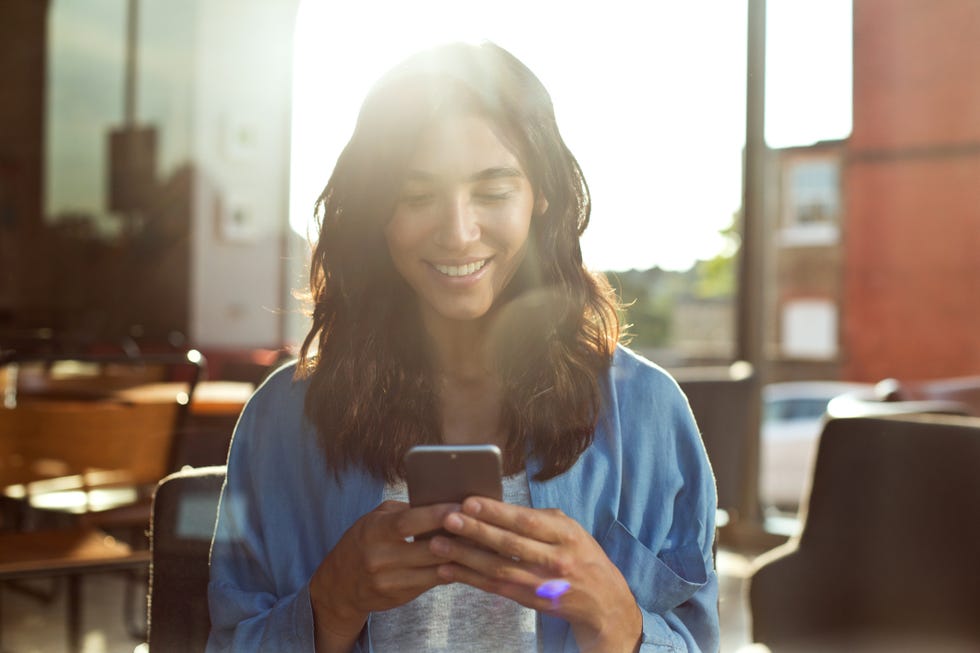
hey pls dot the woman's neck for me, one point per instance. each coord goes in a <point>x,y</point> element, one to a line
<point>469,391</point>
<point>459,349</point>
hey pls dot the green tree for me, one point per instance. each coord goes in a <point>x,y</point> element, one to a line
<point>646,308</point>
<point>649,296</point>
<point>715,277</point>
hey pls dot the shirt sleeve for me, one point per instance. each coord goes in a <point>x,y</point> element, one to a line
<point>249,611</point>
<point>673,577</point>
<point>683,615</point>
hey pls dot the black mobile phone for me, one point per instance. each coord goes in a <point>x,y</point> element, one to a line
<point>449,473</point>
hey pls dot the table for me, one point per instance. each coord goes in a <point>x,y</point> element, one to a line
<point>224,398</point>
<point>71,553</point>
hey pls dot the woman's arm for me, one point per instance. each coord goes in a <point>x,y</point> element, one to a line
<point>373,568</point>
<point>665,546</point>
<point>659,544</point>
<point>248,611</point>
<point>518,550</point>
<point>258,554</point>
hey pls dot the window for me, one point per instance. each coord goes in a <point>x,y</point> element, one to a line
<point>802,409</point>
<point>809,329</point>
<point>103,167</point>
<point>638,106</point>
<point>811,207</point>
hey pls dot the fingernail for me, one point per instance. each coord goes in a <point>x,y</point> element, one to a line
<point>445,572</point>
<point>454,522</point>
<point>473,507</point>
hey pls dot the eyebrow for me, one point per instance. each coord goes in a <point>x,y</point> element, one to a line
<point>501,172</point>
<point>496,173</point>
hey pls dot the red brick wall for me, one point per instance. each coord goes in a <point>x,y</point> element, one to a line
<point>916,72</point>
<point>912,233</point>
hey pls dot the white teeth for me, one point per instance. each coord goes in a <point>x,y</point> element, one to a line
<point>460,270</point>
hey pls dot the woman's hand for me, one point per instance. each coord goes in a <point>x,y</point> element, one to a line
<point>374,568</point>
<point>512,550</point>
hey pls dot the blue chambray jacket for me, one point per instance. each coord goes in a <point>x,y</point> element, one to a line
<point>643,489</point>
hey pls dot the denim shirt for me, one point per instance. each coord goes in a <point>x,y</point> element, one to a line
<point>643,489</point>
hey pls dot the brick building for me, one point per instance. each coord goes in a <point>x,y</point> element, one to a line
<point>805,226</point>
<point>912,247</point>
<point>904,264</point>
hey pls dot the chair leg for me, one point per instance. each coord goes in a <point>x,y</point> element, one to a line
<point>74,606</point>
<point>2,649</point>
<point>30,590</point>
<point>136,586</point>
<point>1,617</point>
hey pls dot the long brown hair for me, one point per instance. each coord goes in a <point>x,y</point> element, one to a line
<point>371,392</point>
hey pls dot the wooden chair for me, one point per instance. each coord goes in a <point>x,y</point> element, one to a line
<point>98,436</point>
<point>888,555</point>
<point>85,458</point>
<point>185,508</point>
<point>77,457</point>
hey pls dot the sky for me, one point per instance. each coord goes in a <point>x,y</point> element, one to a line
<point>649,96</point>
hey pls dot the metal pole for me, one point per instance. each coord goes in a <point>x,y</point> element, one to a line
<point>750,307</point>
<point>132,34</point>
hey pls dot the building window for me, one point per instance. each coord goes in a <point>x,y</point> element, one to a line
<point>809,329</point>
<point>811,207</point>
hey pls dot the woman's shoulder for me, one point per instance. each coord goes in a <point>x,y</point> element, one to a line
<point>642,392</point>
<point>652,410</point>
<point>273,424</point>
<point>282,393</point>
<point>631,370</point>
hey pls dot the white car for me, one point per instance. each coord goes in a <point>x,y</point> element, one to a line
<point>792,419</point>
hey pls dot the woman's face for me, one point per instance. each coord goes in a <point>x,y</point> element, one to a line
<point>460,227</point>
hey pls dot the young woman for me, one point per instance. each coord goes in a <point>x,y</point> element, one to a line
<point>451,305</point>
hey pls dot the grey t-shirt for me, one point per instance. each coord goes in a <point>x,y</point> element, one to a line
<point>458,617</point>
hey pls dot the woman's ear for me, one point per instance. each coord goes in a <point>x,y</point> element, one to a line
<point>540,205</point>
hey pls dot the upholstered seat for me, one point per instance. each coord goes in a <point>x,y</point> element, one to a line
<point>888,550</point>
<point>185,508</point>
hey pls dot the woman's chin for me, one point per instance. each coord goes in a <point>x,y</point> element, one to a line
<point>458,312</point>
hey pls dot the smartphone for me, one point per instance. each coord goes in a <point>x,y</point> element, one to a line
<point>450,473</point>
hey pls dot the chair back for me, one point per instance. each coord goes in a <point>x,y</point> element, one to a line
<point>106,414</point>
<point>54,438</point>
<point>962,390</point>
<point>890,537</point>
<point>719,398</point>
<point>185,508</point>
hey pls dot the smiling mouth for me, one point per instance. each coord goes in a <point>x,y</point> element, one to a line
<point>460,270</point>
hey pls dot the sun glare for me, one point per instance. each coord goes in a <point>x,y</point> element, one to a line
<point>649,96</point>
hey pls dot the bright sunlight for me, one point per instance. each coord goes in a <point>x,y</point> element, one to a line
<point>649,96</point>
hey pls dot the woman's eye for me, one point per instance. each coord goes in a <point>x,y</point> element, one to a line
<point>492,196</point>
<point>416,199</point>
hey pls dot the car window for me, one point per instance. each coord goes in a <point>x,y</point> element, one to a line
<point>773,410</point>
<point>809,408</point>
<point>801,408</point>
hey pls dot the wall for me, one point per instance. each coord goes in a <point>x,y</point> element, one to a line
<point>241,122</point>
<point>22,67</point>
<point>912,239</point>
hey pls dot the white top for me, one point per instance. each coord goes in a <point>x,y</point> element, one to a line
<point>458,617</point>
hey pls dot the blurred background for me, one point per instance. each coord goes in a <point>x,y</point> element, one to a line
<point>786,193</point>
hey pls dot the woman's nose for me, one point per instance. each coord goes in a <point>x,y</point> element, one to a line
<point>458,226</point>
